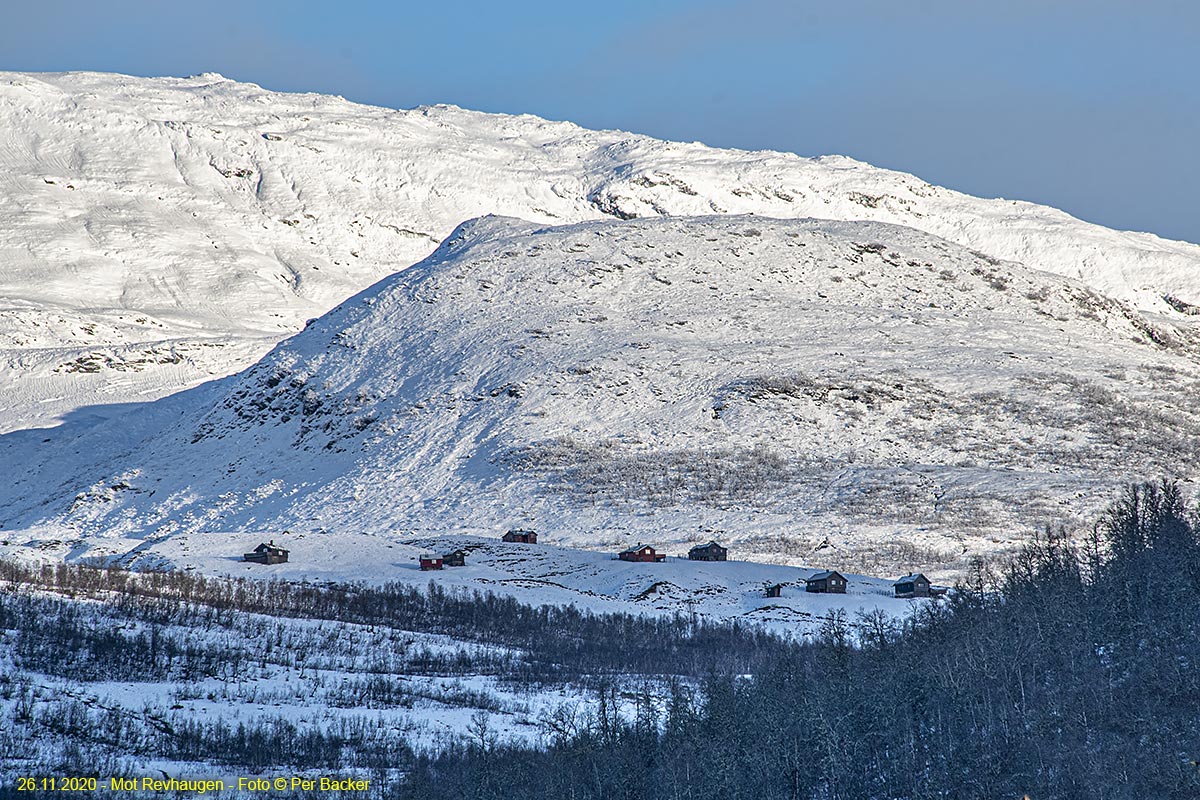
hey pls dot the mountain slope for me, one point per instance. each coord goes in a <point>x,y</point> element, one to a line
<point>155,233</point>
<point>863,391</point>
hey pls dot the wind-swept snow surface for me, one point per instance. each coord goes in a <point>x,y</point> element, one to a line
<point>158,232</point>
<point>863,392</point>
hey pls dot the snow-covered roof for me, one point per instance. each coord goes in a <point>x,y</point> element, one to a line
<point>911,578</point>
<point>636,548</point>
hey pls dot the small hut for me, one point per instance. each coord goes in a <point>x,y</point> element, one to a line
<point>521,536</point>
<point>458,558</point>
<point>708,552</point>
<point>267,553</point>
<point>827,582</point>
<point>640,552</point>
<point>429,562</point>
<point>914,585</point>
<point>774,590</point>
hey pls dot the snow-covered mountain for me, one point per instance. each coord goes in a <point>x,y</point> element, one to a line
<point>155,233</point>
<point>857,394</point>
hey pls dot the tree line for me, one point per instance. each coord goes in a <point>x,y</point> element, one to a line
<point>556,642</point>
<point>1071,671</point>
<point>249,646</point>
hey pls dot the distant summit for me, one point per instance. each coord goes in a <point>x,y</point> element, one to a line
<point>158,232</point>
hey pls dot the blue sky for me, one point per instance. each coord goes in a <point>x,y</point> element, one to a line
<point>1089,105</point>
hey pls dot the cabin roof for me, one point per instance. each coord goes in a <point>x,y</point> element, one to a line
<point>269,547</point>
<point>636,548</point>
<point>829,573</point>
<point>911,578</point>
<point>706,546</point>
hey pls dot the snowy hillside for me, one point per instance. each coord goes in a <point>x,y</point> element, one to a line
<point>855,395</point>
<point>196,675</point>
<point>540,575</point>
<point>157,232</point>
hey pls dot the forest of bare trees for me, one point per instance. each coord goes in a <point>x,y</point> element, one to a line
<point>1069,671</point>
<point>1072,671</point>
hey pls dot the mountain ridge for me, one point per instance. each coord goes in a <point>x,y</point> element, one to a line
<point>161,232</point>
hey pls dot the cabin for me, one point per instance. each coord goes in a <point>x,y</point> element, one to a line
<point>640,552</point>
<point>708,552</point>
<point>915,585</point>
<point>458,558</point>
<point>267,553</point>
<point>827,582</point>
<point>520,535</point>
<point>430,562</point>
<point>775,590</point>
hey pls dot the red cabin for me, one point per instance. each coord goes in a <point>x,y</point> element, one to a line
<point>640,552</point>
<point>431,562</point>
<point>521,535</point>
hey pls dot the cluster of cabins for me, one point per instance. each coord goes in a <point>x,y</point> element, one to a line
<point>455,558</point>
<point>825,582</point>
<point>701,552</point>
<point>639,552</point>
<point>458,558</point>
<point>833,582</point>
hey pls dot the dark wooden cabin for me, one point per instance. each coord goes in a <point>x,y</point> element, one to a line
<point>458,558</point>
<point>521,535</point>
<point>640,552</point>
<point>267,553</point>
<point>827,582</point>
<point>430,562</point>
<point>915,585</point>
<point>775,590</point>
<point>708,552</point>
